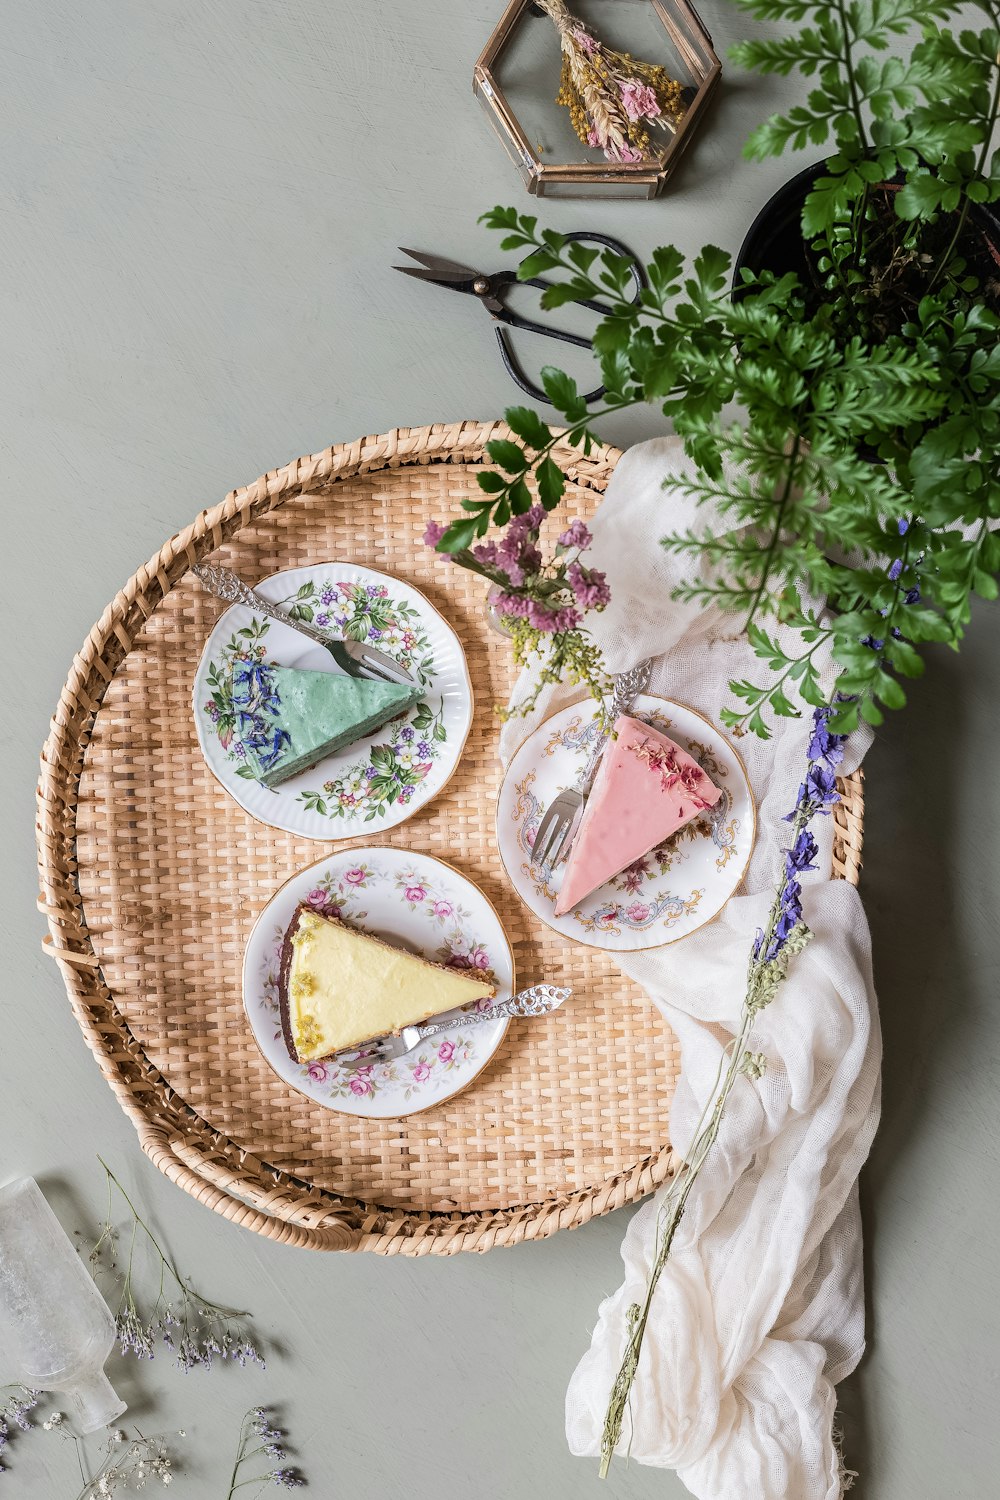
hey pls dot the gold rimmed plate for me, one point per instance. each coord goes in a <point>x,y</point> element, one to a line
<point>415,902</point>
<point>378,781</point>
<point>669,893</point>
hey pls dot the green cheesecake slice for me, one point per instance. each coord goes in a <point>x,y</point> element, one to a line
<point>287,720</point>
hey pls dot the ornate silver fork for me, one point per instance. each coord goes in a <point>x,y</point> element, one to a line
<point>355,657</point>
<point>561,818</point>
<point>536,1001</point>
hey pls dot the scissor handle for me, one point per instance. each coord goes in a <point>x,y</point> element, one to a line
<point>528,325</point>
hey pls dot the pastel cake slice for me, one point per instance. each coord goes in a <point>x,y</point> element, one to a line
<point>287,719</point>
<point>647,788</point>
<point>339,987</point>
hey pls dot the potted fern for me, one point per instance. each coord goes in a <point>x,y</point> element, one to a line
<point>880,343</point>
<point>859,343</point>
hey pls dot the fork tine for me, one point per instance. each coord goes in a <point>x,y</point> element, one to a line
<point>554,854</point>
<point>548,828</point>
<point>566,847</point>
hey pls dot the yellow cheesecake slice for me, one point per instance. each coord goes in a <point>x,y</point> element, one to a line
<point>339,987</point>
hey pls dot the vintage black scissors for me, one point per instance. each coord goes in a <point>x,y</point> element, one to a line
<point>491,292</point>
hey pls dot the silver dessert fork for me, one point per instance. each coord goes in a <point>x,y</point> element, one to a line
<point>562,817</point>
<point>539,1000</point>
<point>355,657</point>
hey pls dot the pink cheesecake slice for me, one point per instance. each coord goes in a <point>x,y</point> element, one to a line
<point>647,787</point>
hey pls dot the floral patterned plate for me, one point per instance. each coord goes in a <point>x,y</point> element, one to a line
<point>377,782</point>
<point>417,903</point>
<point>674,890</point>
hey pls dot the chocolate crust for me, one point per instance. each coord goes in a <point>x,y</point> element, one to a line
<point>284,977</point>
<point>285,970</point>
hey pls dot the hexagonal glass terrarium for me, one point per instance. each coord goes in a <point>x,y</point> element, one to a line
<point>596,98</point>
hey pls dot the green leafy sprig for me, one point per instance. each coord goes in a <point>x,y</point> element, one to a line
<point>888,351</point>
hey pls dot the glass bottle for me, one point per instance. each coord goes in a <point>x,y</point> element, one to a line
<point>56,1330</point>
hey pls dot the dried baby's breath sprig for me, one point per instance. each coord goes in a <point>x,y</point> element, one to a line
<point>195,1330</point>
<point>260,1439</point>
<point>129,1464</point>
<point>614,100</point>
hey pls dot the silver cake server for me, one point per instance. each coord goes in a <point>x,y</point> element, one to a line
<point>355,657</point>
<point>539,1000</point>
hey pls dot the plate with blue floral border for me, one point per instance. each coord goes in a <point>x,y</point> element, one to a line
<point>415,902</point>
<point>379,781</point>
<point>669,893</point>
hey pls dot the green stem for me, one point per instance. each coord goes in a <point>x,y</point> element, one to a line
<point>776,532</point>
<point>239,1456</point>
<point>848,60</point>
<point>677,1195</point>
<point>963,216</point>
<point>188,1291</point>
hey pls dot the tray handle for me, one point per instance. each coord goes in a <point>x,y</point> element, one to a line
<point>185,1165</point>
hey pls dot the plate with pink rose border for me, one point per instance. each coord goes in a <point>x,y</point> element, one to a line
<point>412,901</point>
<point>671,891</point>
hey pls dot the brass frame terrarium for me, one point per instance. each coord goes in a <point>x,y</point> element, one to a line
<point>685,51</point>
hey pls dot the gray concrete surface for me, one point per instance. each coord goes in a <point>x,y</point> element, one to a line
<point>201,200</point>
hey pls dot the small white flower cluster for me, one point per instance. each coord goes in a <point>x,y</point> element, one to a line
<point>130,1465</point>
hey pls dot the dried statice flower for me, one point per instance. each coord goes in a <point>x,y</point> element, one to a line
<point>259,1437</point>
<point>14,1415</point>
<point>194,1330</point>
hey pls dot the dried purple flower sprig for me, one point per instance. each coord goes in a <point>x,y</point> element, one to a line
<point>773,949</point>
<point>14,1415</point>
<point>541,602</point>
<point>260,1438</point>
<point>195,1330</point>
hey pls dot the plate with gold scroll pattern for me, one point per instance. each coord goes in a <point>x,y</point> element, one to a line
<point>673,890</point>
<point>411,901</point>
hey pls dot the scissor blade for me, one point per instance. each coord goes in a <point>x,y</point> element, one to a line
<point>437,268</point>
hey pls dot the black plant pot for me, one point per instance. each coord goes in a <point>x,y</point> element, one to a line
<point>774,240</point>
<point>774,243</point>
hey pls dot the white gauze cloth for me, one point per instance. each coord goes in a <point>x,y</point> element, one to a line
<point>760,1311</point>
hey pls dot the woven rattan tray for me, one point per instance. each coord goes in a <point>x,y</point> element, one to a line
<point>151,878</point>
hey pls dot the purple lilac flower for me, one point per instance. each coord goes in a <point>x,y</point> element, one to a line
<point>576,535</point>
<point>433,533</point>
<point>589,586</point>
<point>486,553</point>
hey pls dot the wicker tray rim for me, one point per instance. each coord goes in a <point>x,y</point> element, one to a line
<point>214,1170</point>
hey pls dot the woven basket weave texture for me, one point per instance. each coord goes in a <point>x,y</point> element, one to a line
<point>152,878</point>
